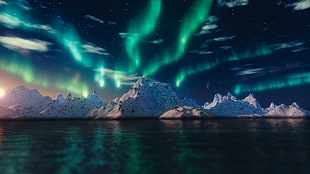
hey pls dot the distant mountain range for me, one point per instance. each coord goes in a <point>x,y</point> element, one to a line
<point>146,99</point>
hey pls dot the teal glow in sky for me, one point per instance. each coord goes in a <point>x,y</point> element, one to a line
<point>291,80</point>
<point>192,20</point>
<point>207,65</point>
<point>200,47</point>
<point>140,27</point>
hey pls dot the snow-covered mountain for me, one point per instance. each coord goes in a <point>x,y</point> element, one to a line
<point>72,108</point>
<point>293,110</point>
<point>230,105</point>
<point>26,98</point>
<point>147,98</point>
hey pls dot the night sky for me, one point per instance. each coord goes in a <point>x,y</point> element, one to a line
<point>200,47</point>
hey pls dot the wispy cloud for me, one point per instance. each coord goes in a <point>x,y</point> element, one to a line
<point>287,45</point>
<point>226,47</point>
<point>12,22</point>
<point>223,38</point>
<point>3,3</point>
<point>300,5</point>
<point>207,42</point>
<point>111,23</point>
<point>94,18</point>
<point>92,48</point>
<point>123,35</point>
<point>201,52</point>
<point>91,17</point>
<point>125,79</point>
<point>24,4</point>
<point>250,71</point>
<point>17,43</point>
<point>299,49</point>
<point>128,35</point>
<point>20,4</point>
<point>209,26</point>
<point>232,3</point>
<point>158,41</point>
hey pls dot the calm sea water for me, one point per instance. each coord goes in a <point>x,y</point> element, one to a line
<point>155,146</point>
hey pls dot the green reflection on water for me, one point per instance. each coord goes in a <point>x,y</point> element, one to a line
<point>185,154</point>
<point>16,149</point>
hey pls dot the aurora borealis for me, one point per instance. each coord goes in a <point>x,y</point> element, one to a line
<point>200,47</point>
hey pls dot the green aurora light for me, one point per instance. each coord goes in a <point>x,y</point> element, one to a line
<point>291,80</point>
<point>191,22</point>
<point>141,27</point>
<point>207,65</point>
<point>24,69</point>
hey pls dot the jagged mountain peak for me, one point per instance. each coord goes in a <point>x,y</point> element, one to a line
<point>59,98</point>
<point>147,98</point>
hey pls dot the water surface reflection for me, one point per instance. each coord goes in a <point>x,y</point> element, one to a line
<point>155,146</point>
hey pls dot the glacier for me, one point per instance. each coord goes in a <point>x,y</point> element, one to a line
<point>147,98</point>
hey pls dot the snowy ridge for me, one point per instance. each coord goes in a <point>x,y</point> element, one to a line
<point>230,105</point>
<point>292,110</point>
<point>75,108</point>
<point>271,107</point>
<point>147,98</point>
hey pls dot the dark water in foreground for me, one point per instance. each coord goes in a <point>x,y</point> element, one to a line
<point>154,146</point>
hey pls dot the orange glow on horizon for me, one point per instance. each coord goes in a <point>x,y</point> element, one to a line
<point>2,92</point>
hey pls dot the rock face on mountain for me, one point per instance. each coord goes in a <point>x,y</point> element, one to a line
<point>15,112</point>
<point>230,105</point>
<point>59,98</point>
<point>271,107</point>
<point>185,112</point>
<point>75,108</point>
<point>26,98</point>
<point>292,110</point>
<point>147,98</point>
<point>94,98</point>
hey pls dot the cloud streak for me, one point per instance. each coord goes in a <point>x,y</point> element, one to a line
<point>232,3</point>
<point>16,43</point>
<point>90,17</point>
<point>3,3</point>
<point>250,71</point>
<point>201,52</point>
<point>13,22</point>
<point>91,48</point>
<point>300,5</point>
<point>209,26</point>
<point>94,18</point>
<point>294,46</point>
<point>121,77</point>
<point>158,41</point>
<point>223,38</point>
